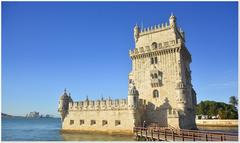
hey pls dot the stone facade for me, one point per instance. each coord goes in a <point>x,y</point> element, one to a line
<point>160,89</point>
<point>105,115</point>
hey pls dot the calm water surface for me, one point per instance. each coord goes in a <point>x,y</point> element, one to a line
<point>47,129</point>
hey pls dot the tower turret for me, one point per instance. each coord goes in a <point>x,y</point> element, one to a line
<point>172,21</point>
<point>182,33</point>
<point>181,99</point>
<point>63,104</point>
<point>132,96</point>
<point>136,33</point>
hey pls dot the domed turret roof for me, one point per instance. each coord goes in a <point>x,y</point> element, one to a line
<point>172,16</point>
<point>64,96</point>
<point>133,91</point>
<point>70,98</point>
<point>136,26</point>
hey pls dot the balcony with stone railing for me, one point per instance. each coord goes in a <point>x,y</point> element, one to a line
<point>156,82</point>
<point>161,47</point>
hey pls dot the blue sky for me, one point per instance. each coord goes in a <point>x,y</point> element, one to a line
<point>83,47</point>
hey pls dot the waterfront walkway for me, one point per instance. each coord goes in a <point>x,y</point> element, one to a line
<point>170,134</point>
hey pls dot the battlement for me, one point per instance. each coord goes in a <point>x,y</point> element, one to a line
<point>109,104</point>
<point>155,28</point>
<point>161,33</point>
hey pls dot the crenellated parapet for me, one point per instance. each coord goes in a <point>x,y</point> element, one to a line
<point>155,28</point>
<point>109,104</point>
<point>158,28</point>
<point>162,37</point>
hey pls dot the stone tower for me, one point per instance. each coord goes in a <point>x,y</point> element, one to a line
<point>162,75</point>
<point>63,104</point>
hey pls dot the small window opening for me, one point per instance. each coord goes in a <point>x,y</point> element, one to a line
<point>81,122</point>
<point>71,122</point>
<point>93,122</point>
<point>104,122</point>
<point>117,122</point>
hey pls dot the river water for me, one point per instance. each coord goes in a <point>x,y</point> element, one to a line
<point>47,129</point>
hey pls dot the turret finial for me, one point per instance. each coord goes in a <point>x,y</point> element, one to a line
<point>65,90</point>
<point>172,21</point>
<point>136,32</point>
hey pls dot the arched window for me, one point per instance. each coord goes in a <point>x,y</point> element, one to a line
<point>160,45</point>
<point>154,45</point>
<point>155,93</point>
<point>154,60</point>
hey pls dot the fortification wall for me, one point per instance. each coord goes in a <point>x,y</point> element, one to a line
<point>110,121</point>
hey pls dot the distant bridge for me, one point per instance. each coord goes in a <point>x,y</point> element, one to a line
<point>170,134</point>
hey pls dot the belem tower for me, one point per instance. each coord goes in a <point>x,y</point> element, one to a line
<point>160,90</point>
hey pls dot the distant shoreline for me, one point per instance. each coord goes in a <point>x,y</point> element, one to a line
<point>6,116</point>
<point>200,123</point>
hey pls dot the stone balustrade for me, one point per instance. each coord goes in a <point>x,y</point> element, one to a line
<point>149,49</point>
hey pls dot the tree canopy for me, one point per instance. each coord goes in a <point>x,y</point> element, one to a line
<point>213,108</point>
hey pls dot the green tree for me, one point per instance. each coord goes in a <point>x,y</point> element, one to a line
<point>213,108</point>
